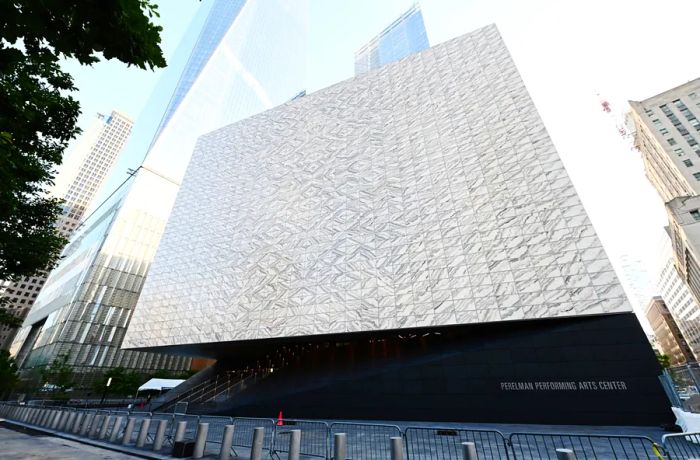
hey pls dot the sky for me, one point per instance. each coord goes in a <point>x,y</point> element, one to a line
<point>572,55</point>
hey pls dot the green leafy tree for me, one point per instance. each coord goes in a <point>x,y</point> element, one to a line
<point>7,318</point>
<point>59,373</point>
<point>8,372</point>
<point>38,115</point>
<point>664,360</point>
<point>123,382</point>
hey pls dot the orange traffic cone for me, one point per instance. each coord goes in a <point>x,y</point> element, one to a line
<point>279,419</point>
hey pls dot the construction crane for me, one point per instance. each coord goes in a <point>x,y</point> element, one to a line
<point>618,120</point>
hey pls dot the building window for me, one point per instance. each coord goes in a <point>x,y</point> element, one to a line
<point>696,176</point>
<point>695,214</point>
<point>693,96</point>
<point>688,163</point>
<point>678,151</point>
<point>671,141</point>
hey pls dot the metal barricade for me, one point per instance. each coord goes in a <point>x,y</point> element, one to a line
<point>681,445</point>
<point>190,429</point>
<point>243,434</point>
<point>216,431</point>
<point>155,420</point>
<point>111,422</point>
<point>366,441</point>
<point>446,443</point>
<point>140,417</point>
<point>180,407</point>
<point>314,437</point>
<point>536,446</point>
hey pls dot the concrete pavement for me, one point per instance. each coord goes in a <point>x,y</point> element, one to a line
<point>28,444</point>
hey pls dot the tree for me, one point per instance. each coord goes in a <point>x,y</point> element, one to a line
<point>664,360</point>
<point>7,318</point>
<point>123,382</point>
<point>38,116</point>
<point>8,372</point>
<point>59,373</point>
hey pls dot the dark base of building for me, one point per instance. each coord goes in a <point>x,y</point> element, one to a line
<point>589,370</point>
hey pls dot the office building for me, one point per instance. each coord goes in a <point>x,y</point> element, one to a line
<point>666,133</point>
<point>669,339</point>
<point>403,37</point>
<point>684,230</point>
<point>85,168</point>
<point>232,72</point>
<point>406,242</point>
<point>679,301</point>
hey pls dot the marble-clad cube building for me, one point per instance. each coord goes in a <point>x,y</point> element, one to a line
<point>421,201</point>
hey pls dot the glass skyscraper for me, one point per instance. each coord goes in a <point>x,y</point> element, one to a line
<point>233,51</point>
<point>218,22</point>
<point>403,37</point>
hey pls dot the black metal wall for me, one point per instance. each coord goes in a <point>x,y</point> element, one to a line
<point>585,370</point>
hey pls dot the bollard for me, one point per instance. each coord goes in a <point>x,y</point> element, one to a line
<point>78,421</point>
<point>294,444</point>
<point>96,425</point>
<point>115,429</point>
<point>37,416</point>
<point>50,418</point>
<point>46,417</point>
<point>180,431</point>
<point>160,435</point>
<point>87,423</point>
<point>128,431</point>
<point>143,432</point>
<point>71,420</point>
<point>565,454</point>
<point>200,441</point>
<point>340,446</point>
<point>56,419</point>
<point>103,428</point>
<point>396,448</point>
<point>469,451</point>
<point>64,420</point>
<point>226,443</point>
<point>256,447</point>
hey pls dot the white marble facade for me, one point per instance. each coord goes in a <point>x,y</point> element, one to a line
<point>425,193</point>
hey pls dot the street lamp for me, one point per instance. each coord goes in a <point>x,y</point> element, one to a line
<point>104,393</point>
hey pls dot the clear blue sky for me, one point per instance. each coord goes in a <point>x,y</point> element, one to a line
<point>566,51</point>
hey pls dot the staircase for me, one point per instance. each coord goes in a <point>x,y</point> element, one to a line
<point>222,383</point>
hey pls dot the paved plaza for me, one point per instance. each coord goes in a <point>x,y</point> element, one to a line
<point>28,444</point>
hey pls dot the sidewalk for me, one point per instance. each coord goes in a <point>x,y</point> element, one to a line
<point>18,443</point>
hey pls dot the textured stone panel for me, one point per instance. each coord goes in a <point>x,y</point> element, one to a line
<point>425,193</point>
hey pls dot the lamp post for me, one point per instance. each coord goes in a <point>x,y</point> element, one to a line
<point>104,393</point>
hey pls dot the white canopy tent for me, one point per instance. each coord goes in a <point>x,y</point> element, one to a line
<point>160,384</point>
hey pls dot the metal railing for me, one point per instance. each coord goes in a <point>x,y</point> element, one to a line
<point>216,429</point>
<point>365,441</point>
<point>446,443</point>
<point>314,441</point>
<point>536,446</point>
<point>243,434</point>
<point>681,445</point>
